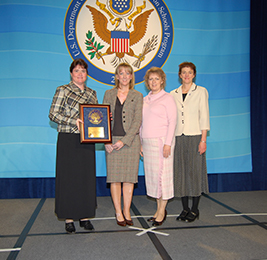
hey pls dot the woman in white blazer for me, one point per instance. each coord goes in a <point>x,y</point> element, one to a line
<point>190,170</point>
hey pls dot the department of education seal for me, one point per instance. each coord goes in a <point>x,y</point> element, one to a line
<point>95,117</point>
<point>107,32</point>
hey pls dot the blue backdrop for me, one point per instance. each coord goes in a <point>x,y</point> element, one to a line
<point>214,34</point>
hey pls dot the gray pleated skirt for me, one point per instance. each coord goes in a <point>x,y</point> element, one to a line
<point>190,169</point>
<point>123,165</point>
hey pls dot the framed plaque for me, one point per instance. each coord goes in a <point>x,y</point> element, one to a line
<point>97,123</point>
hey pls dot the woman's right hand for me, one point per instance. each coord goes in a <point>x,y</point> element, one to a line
<point>166,151</point>
<point>78,122</point>
<point>141,151</point>
<point>109,148</point>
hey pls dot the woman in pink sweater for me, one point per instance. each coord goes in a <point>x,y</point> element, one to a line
<point>157,137</point>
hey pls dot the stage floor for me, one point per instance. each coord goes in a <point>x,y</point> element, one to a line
<point>232,225</point>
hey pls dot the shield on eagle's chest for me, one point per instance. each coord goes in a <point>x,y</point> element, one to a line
<point>121,7</point>
<point>120,41</point>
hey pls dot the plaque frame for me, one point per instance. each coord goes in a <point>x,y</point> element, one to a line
<point>104,125</point>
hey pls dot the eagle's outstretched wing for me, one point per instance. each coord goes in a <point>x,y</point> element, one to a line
<point>100,24</point>
<point>140,26</point>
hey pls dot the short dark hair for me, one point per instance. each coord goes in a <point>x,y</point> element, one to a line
<point>189,65</point>
<point>77,62</point>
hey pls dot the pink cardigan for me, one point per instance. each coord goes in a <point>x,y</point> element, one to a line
<point>159,116</point>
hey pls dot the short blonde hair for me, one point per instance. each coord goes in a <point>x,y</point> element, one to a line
<point>158,71</point>
<point>129,68</point>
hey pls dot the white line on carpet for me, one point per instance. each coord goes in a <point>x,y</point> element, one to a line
<point>144,231</point>
<point>139,216</point>
<point>10,249</point>
<point>242,214</point>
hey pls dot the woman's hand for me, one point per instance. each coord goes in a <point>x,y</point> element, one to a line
<point>141,151</point>
<point>109,148</point>
<point>202,147</point>
<point>78,122</point>
<point>118,145</point>
<point>166,151</point>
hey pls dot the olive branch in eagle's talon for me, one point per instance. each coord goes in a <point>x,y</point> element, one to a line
<point>149,46</point>
<point>93,47</point>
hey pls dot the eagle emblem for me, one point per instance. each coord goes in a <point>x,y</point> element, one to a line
<point>129,27</point>
<point>105,33</point>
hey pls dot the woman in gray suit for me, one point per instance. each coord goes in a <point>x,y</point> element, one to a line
<point>122,156</point>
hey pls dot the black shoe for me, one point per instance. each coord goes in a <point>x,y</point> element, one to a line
<point>159,223</point>
<point>152,219</point>
<point>192,216</point>
<point>70,228</point>
<point>183,215</point>
<point>86,224</point>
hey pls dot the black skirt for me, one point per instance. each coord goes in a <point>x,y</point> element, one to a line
<point>75,196</point>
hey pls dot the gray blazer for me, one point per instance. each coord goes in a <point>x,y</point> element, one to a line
<point>131,114</point>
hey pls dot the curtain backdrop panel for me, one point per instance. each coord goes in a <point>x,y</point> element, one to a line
<point>11,188</point>
<point>212,34</point>
<point>258,66</point>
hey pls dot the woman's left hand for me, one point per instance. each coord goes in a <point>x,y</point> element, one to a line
<point>118,145</point>
<point>166,151</point>
<point>202,147</point>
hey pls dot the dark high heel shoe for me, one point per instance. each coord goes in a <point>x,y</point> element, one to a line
<point>120,223</point>
<point>152,219</point>
<point>86,224</point>
<point>183,215</point>
<point>70,228</point>
<point>159,223</point>
<point>128,222</point>
<point>192,216</point>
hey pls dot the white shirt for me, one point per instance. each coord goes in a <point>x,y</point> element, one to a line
<point>193,112</point>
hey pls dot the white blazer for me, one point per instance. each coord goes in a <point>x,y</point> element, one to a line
<point>193,112</point>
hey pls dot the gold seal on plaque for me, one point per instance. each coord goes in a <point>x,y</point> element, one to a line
<point>95,117</point>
